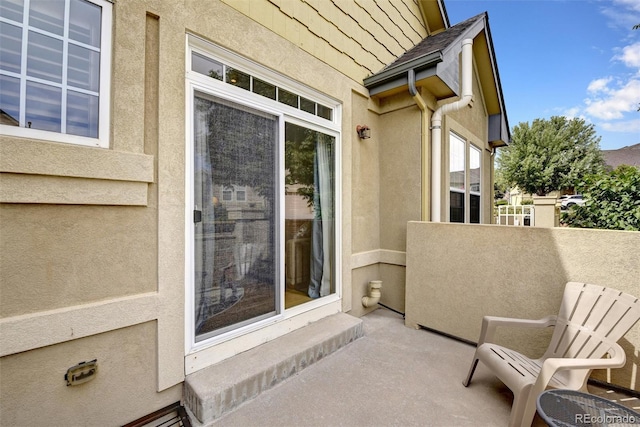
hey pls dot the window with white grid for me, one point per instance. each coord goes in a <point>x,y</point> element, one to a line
<point>55,57</point>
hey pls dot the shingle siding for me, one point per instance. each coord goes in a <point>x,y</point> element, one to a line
<point>360,37</point>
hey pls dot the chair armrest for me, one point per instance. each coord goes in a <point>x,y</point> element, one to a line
<point>553,365</point>
<point>490,323</point>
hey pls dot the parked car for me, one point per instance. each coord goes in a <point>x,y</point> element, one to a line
<point>571,200</point>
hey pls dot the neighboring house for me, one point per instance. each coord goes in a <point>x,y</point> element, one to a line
<point>515,196</point>
<point>162,160</point>
<point>629,155</point>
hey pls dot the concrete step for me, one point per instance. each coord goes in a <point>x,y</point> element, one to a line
<point>211,392</point>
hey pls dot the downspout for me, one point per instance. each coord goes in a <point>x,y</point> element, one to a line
<point>436,131</point>
<point>436,123</point>
<point>424,146</point>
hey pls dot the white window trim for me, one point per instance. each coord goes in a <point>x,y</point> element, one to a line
<point>468,146</point>
<point>297,316</point>
<point>104,102</point>
<point>203,47</point>
<point>473,146</point>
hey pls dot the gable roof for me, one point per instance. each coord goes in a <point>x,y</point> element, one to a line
<point>435,61</point>
<point>437,42</point>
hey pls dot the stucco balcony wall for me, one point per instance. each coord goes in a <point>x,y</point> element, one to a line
<point>457,273</point>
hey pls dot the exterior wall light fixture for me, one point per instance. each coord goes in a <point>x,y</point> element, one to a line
<point>363,131</point>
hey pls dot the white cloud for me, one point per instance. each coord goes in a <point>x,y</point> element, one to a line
<point>622,14</point>
<point>630,55</point>
<point>572,113</point>
<point>628,4</point>
<point>610,98</point>
<point>575,113</point>
<point>622,126</point>
<point>599,85</point>
<point>616,102</point>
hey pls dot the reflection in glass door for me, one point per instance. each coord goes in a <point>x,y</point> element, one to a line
<point>309,214</point>
<point>235,216</point>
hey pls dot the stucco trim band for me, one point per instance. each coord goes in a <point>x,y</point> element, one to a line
<point>378,256</point>
<point>31,331</point>
<point>25,156</point>
<point>22,188</point>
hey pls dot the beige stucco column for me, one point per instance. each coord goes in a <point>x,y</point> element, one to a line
<point>546,213</point>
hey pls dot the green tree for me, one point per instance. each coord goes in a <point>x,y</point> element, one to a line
<point>612,201</point>
<point>299,156</point>
<point>550,155</point>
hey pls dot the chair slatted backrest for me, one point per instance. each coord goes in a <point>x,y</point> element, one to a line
<point>591,317</point>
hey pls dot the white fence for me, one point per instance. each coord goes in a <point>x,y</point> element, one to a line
<point>521,215</point>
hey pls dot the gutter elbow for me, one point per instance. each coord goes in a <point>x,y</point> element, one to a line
<point>411,76</point>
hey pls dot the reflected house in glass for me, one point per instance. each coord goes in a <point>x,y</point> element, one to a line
<point>182,183</point>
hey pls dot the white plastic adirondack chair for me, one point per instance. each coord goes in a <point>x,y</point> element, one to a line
<point>590,322</point>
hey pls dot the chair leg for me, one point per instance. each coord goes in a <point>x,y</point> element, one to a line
<point>529,411</point>
<point>472,369</point>
<point>517,409</point>
<point>521,415</point>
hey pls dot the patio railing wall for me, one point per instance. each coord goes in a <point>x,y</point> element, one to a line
<point>457,273</point>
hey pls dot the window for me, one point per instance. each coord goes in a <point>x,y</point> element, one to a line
<point>55,57</point>
<point>263,182</point>
<point>474,185</point>
<point>456,178</point>
<point>464,181</point>
<point>220,71</point>
<point>241,194</point>
<point>232,193</point>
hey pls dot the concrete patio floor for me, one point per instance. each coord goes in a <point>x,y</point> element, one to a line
<point>393,376</point>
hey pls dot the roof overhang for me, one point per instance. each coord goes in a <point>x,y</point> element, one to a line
<point>434,15</point>
<point>438,71</point>
<point>393,77</point>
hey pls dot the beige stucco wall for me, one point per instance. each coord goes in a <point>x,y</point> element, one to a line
<point>547,211</point>
<point>458,273</point>
<point>401,169</point>
<point>34,391</point>
<point>92,249</point>
<point>400,172</point>
<point>365,178</point>
<point>56,256</point>
<point>393,279</point>
<point>92,240</point>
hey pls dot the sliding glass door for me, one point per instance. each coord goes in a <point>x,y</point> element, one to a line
<point>262,182</point>
<point>235,215</point>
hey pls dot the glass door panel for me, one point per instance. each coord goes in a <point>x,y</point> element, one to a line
<point>235,216</point>
<point>309,214</point>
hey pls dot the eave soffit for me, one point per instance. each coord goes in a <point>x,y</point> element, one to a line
<point>434,15</point>
<point>437,56</point>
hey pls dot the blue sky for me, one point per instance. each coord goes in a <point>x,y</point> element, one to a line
<point>577,58</point>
